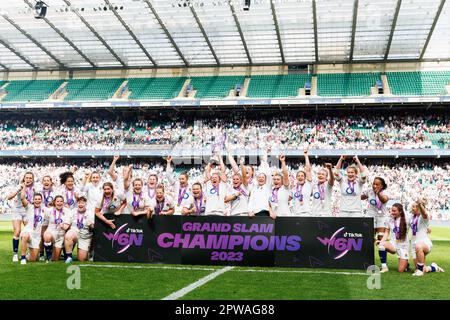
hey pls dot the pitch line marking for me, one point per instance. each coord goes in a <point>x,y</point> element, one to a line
<point>180,293</point>
<point>213,269</point>
<point>144,267</point>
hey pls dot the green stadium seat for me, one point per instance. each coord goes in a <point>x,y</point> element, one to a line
<point>427,83</point>
<point>31,90</point>
<point>277,86</point>
<point>155,88</point>
<point>215,87</point>
<point>92,89</point>
<point>346,84</point>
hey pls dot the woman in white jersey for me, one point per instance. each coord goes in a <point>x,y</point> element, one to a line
<point>398,243</point>
<point>280,194</point>
<point>150,187</point>
<point>111,203</point>
<point>238,195</point>
<point>47,191</point>
<point>258,204</point>
<point>79,226</point>
<point>322,192</point>
<point>195,205</point>
<point>54,235</point>
<point>215,189</point>
<point>181,187</point>
<point>301,192</point>
<point>31,235</point>
<point>91,187</point>
<point>19,215</point>
<point>68,190</point>
<point>377,198</point>
<point>421,244</point>
<point>162,204</point>
<point>138,203</point>
<point>351,186</point>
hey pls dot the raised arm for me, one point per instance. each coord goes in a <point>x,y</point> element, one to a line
<point>169,170</point>
<point>284,171</point>
<point>127,174</point>
<point>307,166</point>
<point>329,167</point>
<point>207,173</point>
<point>243,171</point>
<point>362,169</point>
<point>223,169</point>
<point>13,194</point>
<point>23,197</point>
<point>232,162</point>
<point>423,210</point>
<point>337,169</point>
<point>112,168</point>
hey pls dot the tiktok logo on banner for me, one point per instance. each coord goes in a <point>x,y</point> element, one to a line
<point>342,242</point>
<point>124,239</point>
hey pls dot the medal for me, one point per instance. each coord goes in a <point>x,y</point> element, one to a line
<point>198,206</point>
<point>105,206</point>
<point>351,187</point>
<point>274,197</point>
<point>58,220</point>
<point>136,201</point>
<point>70,200</point>
<point>80,219</point>
<point>159,206</point>
<point>414,224</point>
<point>215,190</point>
<point>37,217</point>
<point>151,192</point>
<point>181,195</point>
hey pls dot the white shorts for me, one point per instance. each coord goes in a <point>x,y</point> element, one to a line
<point>19,215</point>
<point>350,214</point>
<point>58,236</point>
<point>427,242</point>
<point>84,243</point>
<point>402,250</point>
<point>380,222</point>
<point>34,241</point>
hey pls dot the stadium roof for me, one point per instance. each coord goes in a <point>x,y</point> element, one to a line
<point>79,34</point>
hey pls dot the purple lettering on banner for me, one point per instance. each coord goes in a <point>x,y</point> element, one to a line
<point>161,239</point>
<point>247,242</point>
<point>187,226</point>
<point>293,243</point>
<point>179,239</point>
<point>217,242</point>
<point>277,241</point>
<point>197,241</point>
<point>264,243</point>
<point>355,244</point>
<point>235,241</point>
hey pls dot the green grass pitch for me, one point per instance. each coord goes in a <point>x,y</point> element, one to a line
<point>48,281</point>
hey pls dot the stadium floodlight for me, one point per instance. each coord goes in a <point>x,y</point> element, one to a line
<point>41,9</point>
<point>247,4</point>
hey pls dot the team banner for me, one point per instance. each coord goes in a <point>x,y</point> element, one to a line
<point>304,242</point>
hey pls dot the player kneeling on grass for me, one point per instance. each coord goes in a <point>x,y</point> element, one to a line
<point>31,235</point>
<point>420,242</point>
<point>54,235</point>
<point>79,228</point>
<point>398,240</point>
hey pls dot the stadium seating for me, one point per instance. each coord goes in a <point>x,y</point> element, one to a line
<point>276,86</point>
<point>346,84</point>
<point>418,83</point>
<point>31,90</point>
<point>438,139</point>
<point>215,87</point>
<point>155,88</point>
<point>92,89</point>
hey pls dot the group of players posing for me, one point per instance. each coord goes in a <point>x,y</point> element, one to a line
<point>57,219</point>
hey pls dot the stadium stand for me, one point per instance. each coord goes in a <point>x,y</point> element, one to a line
<point>92,89</point>
<point>155,88</point>
<point>31,90</point>
<point>418,83</point>
<point>215,87</point>
<point>346,84</point>
<point>273,86</point>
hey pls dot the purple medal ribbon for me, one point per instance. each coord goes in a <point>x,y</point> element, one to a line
<point>298,192</point>
<point>242,191</point>
<point>181,193</point>
<point>46,196</point>
<point>37,217</point>
<point>215,190</point>
<point>106,203</point>
<point>136,201</point>
<point>198,206</point>
<point>159,206</point>
<point>150,194</point>
<point>397,229</point>
<point>414,224</point>
<point>29,194</point>
<point>70,201</point>
<point>80,224</point>
<point>274,197</point>
<point>57,220</point>
<point>351,187</point>
<point>321,191</point>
